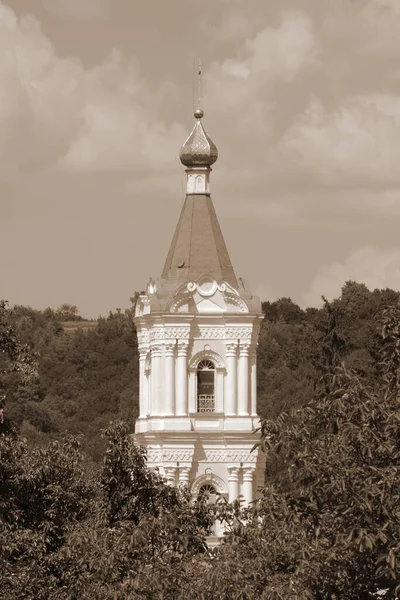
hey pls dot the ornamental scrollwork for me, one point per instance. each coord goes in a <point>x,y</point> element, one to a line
<point>178,455</point>
<point>221,333</point>
<point>177,332</point>
<point>159,333</point>
<point>219,363</point>
<point>143,337</point>
<point>169,455</point>
<point>212,333</point>
<point>238,332</point>
<point>154,455</point>
<point>237,303</point>
<point>242,456</point>
<point>225,455</point>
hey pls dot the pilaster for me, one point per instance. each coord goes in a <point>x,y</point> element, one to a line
<point>142,382</point>
<point>184,476</point>
<point>243,379</point>
<point>170,475</point>
<point>170,378</point>
<point>231,379</point>
<point>233,482</point>
<point>182,379</point>
<point>156,379</point>
<point>253,384</point>
<point>248,484</point>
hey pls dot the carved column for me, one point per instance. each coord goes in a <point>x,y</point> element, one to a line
<point>231,379</point>
<point>184,473</point>
<point>170,475</point>
<point>182,379</point>
<point>142,380</point>
<point>170,378</point>
<point>253,386</point>
<point>243,379</point>
<point>156,382</point>
<point>248,475</point>
<point>233,483</point>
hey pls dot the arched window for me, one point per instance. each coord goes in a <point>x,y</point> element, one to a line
<point>205,386</point>
<point>208,493</point>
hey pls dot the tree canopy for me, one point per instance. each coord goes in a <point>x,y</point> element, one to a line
<point>327,524</point>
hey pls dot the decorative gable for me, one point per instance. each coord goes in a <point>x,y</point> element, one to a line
<point>207,296</point>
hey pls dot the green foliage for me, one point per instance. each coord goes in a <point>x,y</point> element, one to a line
<point>69,533</point>
<point>326,527</point>
<point>298,349</point>
<point>15,355</point>
<point>328,523</point>
<point>18,365</point>
<point>86,378</point>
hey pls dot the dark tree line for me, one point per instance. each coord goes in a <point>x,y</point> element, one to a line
<point>85,378</point>
<point>299,348</point>
<point>88,373</point>
<point>327,525</point>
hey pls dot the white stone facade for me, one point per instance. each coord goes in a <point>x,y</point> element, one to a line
<point>193,437</point>
<point>197,330</point>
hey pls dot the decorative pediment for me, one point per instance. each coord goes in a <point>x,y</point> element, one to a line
<point>207,296</point>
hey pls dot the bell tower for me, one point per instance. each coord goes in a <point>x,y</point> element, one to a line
<point>197,331</point>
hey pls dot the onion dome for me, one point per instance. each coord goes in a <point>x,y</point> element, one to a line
<point>199,150</point>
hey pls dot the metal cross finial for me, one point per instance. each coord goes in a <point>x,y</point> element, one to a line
<point>198,113</point>
<point>199,85</point>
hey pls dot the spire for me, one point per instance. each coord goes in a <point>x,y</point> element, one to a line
<point>198,246</point>
<point>198,152</point>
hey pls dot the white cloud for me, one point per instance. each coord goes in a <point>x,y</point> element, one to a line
<point>357,144</point>
<point>54,111</point>
<point>80,9</point>
<point>242,89</point>
<point>235,24</point>
<point>381,11</point>
<point>264,292</point>
<point>119,125</point>
<point>274,54</point>
<point>283,52</point>
<point>375,267</point>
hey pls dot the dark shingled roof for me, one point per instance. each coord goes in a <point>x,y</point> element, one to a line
<point>198,245</point>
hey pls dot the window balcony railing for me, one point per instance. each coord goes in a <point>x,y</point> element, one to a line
<point>205,403</point>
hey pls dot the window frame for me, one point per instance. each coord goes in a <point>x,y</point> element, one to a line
<point>206,365</point>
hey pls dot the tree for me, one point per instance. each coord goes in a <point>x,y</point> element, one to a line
<point>17,363</point>
<point>68,312</point>
<point>86,378</point>
<point>17,357</point>
<point>68,532</point>
<point>328,523</point>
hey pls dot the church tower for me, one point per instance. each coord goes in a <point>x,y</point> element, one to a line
<point>197,329</point>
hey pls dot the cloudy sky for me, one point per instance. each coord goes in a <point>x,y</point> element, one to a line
<point>302,98</point>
